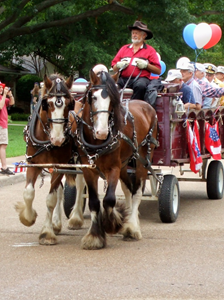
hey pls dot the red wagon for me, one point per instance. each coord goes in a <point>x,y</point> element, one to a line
<point>173,152</point>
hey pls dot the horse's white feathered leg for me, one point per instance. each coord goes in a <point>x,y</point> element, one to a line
<point>127,195</point>
<point>95,237</point>
<point>27,214</point>
<point>47,236</point>
<point>131,229</point>
<point>57,223</point>
<point>76,219</point>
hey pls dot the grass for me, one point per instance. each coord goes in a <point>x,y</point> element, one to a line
<point>16,145</point>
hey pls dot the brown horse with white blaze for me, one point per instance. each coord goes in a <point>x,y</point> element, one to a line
<point>109,139</point>
<point>48,142</point>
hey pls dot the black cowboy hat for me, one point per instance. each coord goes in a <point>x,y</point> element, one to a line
<point>141,26</point>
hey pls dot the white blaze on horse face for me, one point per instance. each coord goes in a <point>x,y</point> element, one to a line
<point>57,130</point>
<point>101,127</point>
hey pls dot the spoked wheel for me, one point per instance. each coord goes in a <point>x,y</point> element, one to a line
<point>169,199</point>
<point>215,180</point>
<point>70,198</point>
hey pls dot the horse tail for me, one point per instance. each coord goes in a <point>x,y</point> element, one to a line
<point>114,218</point>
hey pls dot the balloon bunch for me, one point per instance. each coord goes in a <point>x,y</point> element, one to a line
<point>202,36</point>
<point>163,66</point>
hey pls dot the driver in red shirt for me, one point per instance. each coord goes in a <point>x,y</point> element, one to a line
<point>137,60</point>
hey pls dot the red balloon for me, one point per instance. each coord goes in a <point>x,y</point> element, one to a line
<point>216,36</point>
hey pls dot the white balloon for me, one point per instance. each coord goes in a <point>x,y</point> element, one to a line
<point>182,61</point>
<point>159,57</point>
<point>202,35</point>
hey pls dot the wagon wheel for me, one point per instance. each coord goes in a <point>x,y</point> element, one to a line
<point>215,180</point>
<point>70,197</point>
<point>169,199</point>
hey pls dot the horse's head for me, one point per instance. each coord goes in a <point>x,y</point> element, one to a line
<point>104,101</point>
<point>56,102</point>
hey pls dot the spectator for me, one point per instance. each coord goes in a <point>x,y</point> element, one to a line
<point>6,99</point>
<point>99,68</point>
<point>137,61</point>
<point>199,74</point>
<point>35,93</point>
<point>219,76</point>
<point>187,71</point>
<point>210,70</point>
<point>200,88</point>
<point>175,76</point>
<point>219,81</point>
<point>208,90</point>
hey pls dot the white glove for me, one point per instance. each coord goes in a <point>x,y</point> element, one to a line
<point>122,64</point>
<point>141,63</point>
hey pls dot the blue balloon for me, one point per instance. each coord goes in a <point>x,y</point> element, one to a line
<point>80,80</point>
<point>163,69</point>
<point>188,35</point>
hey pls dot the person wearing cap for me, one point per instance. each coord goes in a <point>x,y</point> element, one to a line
<point>97,69</point>
<point>200,88</point>
<point>219,75</point>
<point>136,61</point>
<point>208,91</point>
<point>187,71</point>
<point>210,70</point>
<point>6,99</point>
<point>199,74</point>
<point>175,76</point>
<point>219,81</point>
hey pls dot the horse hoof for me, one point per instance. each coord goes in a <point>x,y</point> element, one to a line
<point>27,219</point>
<point>130,235</point>
<point>90,242</point>
<point>74,224</point>
<point>57,228</point>
<point>45,240</point>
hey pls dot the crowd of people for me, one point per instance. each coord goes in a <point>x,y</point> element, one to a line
<point>205,81</point>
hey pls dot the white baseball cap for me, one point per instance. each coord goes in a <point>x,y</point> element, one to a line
<point>99,68</point>
<point>220,69</point>
<point>173,74</point>
<point>186,66</point>
<point>200,67</point>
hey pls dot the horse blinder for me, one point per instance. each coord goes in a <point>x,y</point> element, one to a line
<point>71,105</point>
<point>44,104</point>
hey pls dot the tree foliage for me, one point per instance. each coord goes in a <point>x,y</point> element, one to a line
<point>76,35</point>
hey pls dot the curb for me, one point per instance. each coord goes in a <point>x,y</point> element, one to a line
<point>12,179</point>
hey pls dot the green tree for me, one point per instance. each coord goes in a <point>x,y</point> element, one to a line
<point>75,35</point>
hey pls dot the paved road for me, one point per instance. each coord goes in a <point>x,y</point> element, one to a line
<point>183,260</point>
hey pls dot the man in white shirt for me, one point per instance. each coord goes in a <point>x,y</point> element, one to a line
<point>187,71</point>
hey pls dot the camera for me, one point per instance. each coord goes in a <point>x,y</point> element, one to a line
<point>9,88</point>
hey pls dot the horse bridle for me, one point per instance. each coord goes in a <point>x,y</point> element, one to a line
<point>58,102</point>
<point>29,131</point>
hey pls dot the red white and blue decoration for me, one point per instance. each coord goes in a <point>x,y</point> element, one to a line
<point>212,140</point>
<point>202,35</point>
<point>194,147</point>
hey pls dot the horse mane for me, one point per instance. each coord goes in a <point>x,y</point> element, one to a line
<point>114,98</point>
